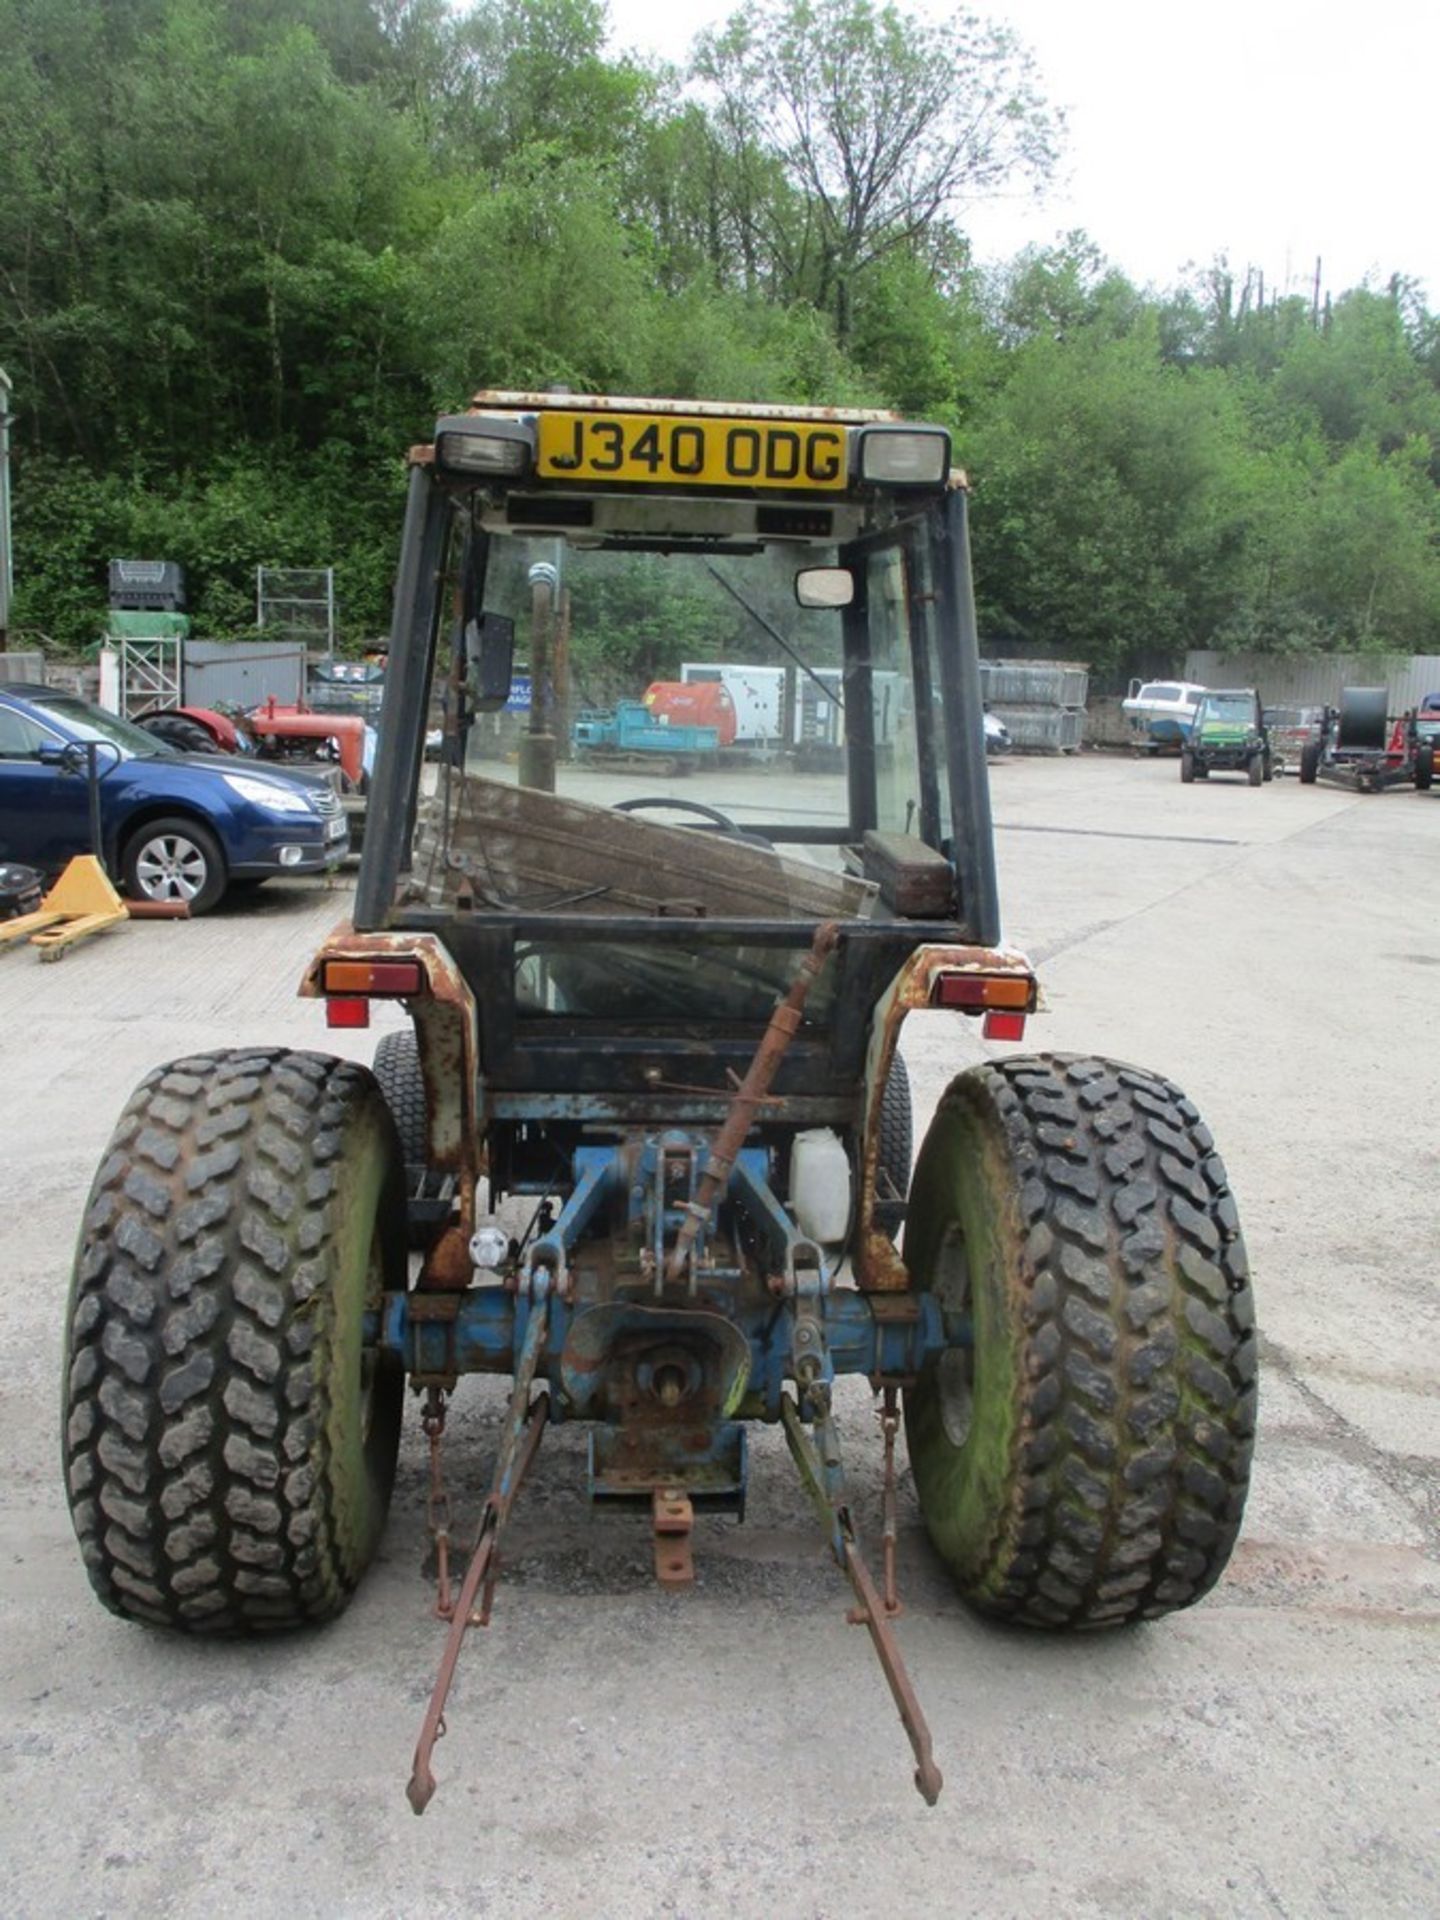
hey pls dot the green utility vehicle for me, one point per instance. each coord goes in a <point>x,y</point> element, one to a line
<point>648,1131</point>
<point>1229,735</point>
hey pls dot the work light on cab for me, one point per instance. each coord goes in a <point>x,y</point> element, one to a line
<point>469,445</point>
<point>902,457</point>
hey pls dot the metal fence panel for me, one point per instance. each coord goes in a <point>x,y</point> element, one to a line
<point>1034,683</point>
<point>1041,729</point>
<point>243,673</point>
<point>297,603</point>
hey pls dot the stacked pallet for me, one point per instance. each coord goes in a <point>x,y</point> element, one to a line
<point>1041,702</point>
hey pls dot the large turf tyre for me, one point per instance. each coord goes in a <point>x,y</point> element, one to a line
<point>177,861</point>
<point>1255,769</point>
<point>229,1442</point>
<point>1085,1462</point>
<point>1309,763</point>
<point>1187,765</point>
<point>897,1128</point>
<point>1269,766</point>
<point>1425,769</point>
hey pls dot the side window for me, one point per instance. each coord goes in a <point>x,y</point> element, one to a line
<point>897,766</point>
<point>20,738</point>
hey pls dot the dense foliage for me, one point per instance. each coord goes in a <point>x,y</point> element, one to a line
<point>247,252</point>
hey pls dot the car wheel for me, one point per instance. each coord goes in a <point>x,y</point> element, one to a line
<point>174,861</point>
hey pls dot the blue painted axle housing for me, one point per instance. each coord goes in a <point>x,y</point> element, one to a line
<point>489,1328</point>
<point>674,1309</point>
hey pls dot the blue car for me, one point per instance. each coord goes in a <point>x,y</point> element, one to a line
<point>174,826</point>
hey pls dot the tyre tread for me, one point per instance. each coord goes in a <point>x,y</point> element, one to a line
<point>193,1388</point>
<point>1138,1354</point>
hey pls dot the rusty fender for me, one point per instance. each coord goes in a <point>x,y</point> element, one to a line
<point>877,1264</point>
<point>448,1042</point>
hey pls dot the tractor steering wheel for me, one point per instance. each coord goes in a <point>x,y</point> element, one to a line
<point>712,815</point>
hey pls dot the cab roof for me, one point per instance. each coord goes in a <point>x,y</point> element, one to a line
<point>497,400</point>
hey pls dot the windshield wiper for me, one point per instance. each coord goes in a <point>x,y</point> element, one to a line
<point>830,692</point>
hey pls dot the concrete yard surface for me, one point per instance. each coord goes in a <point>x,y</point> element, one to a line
<point>614,1751</point>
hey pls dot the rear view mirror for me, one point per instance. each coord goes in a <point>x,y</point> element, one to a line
<point>825,587</point>
<point>490,642</point>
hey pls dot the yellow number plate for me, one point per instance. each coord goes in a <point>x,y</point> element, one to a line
<point>676,450</point>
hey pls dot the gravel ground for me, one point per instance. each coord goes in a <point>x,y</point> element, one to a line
<point>617,1752</point>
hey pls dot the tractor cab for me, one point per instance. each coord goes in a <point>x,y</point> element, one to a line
<point>600,540</point>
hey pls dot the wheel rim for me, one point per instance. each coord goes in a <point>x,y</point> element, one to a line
<point>171,867</point>
<point>955,1370</point>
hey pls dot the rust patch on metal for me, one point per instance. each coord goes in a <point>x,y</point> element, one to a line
<point>876,1261</point>
<point>447,1037</point>
<point>492,401</point>
<point>784,1021</point>
<point>672,1519</point>
<point>895,1310</point>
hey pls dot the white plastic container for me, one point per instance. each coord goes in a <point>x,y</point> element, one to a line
<point>820,1185</point>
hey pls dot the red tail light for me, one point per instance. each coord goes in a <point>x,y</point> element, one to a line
<point>973,992</point>
<point>345,1010</point>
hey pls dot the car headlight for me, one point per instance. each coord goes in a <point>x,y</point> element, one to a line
<point>268,794</point>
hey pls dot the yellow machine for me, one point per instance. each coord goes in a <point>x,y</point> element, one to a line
<point>81,902</point>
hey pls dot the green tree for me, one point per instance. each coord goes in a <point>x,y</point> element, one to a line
<point>534,281</point>
<point>1106,522</point>
<point>246,252</point>
<point>885,126</point>
<point>1342,555</point>
<point>1358,377</point>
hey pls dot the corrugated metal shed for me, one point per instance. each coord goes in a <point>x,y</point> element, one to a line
<point>242,673</point>
<point>1316,680</point>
